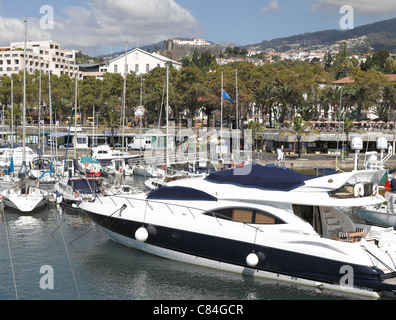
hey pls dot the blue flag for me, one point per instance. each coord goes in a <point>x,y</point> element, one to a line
<point>225,96</point>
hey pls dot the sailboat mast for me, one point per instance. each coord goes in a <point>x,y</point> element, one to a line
<point>50,111</point>
<point>236,109</point>
<point>124,98</point>
<point>75,120</point>
<point>24,98</point>
<point>221,111</point>
<point>12,113</point>
<point>39,111</point>
<point>167,115</point>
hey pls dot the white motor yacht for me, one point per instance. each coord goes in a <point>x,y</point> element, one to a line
<point>264,221</point>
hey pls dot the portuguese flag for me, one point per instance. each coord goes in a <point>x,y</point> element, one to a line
<point>384,182</point>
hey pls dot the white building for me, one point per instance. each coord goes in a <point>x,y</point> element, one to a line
<point>47,55</point>
<point>194,42</point>
<point>140,62</point>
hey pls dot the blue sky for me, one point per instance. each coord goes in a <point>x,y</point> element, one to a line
<point>101,26</point>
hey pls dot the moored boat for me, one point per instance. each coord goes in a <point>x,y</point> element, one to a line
<point>263,221</point>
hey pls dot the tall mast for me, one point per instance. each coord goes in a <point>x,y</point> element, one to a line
<point>12,113</point>
<point>39,111</point>
<point>167,115</point>
<point>124,97</point>
<point>221,113</point>
<point>24,99</point>
<point>75,119</point>
<point>236,109</point>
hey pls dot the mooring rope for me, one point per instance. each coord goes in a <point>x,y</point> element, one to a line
<point>9,252</point>
<point>89,230</point>
<point>68,256</point>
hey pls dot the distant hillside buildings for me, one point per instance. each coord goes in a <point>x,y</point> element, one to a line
<point>180,48</point>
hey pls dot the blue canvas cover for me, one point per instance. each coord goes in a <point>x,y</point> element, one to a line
<point>179,193</point>
<point>269,177</point>
<point>84,185</point>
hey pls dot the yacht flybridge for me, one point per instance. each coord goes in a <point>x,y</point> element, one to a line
<point>266,221</point>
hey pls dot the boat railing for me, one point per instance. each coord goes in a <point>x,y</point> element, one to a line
<point>169,207</point>
<point>177,158</point>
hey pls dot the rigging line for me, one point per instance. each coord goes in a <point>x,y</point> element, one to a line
<point>68,256</point>
<point>9,252</point>
<point>120,209</point>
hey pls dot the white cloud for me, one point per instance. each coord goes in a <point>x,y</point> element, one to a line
<point>364,7</point>
<point>272,6</point>
<point>105,23</point>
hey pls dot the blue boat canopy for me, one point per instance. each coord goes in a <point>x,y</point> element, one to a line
<point>84,185</point>
<point>179,193</point>
<point>269,177</point>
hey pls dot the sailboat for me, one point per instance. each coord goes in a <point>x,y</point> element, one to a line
<point>24,195</point>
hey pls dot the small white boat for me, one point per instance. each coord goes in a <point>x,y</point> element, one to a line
<point>71,191</point>
<point>16,153</point>
<point>148,171</point>
<point>24,196</point>
<point>380,214</point>
<point>104,154</point>
<point>90,167</point>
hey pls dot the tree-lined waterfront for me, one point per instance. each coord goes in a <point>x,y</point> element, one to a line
<point>271,93</point>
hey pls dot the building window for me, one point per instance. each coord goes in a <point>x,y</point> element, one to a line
<point>115,68</point>
<point>147,67</point>
<point>136,68</point>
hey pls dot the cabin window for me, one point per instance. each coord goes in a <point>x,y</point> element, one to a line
<point>246,215</point>
<point>311,215</point>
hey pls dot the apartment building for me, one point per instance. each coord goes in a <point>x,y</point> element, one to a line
<point>44,55</point>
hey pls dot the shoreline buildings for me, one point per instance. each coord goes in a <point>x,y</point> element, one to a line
<point>44,55</point>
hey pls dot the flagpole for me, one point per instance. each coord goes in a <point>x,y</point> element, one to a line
<point>236,109</point>
<point>221,112</point>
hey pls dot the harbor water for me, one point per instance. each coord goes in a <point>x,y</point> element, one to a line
<point>58,254</point>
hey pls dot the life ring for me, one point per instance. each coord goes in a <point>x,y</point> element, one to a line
<point>358,190</point>
<point>76,194</point>
<point>163,167</point>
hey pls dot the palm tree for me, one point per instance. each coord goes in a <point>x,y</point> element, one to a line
<point>349,126</point>
<point>299,128</point>
<point>286,96</point>
<point>266,97</point>
<point>257,129</point>
<point>112,119</point>
<point>333,98</point>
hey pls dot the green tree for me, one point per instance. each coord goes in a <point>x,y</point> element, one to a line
<point>287,97</point>
<point>257,130</point>
<point>349,126</point>
<point>299,128</point>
